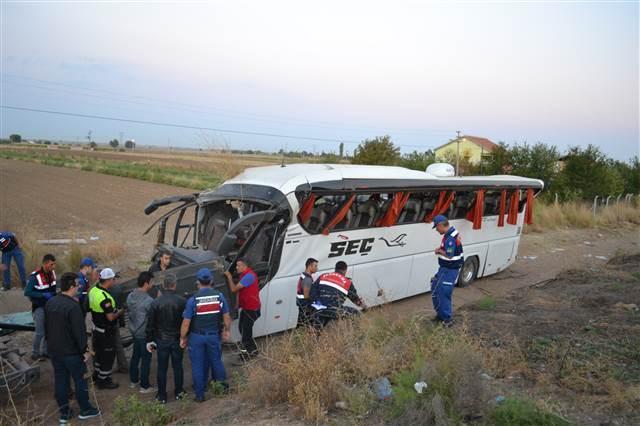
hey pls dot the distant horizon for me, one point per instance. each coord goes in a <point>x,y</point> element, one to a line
<point>564,74</point>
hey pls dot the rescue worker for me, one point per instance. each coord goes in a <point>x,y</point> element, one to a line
<point>105,319</point>
<point>40,288</point>
<point>163,263</point>
<point>303,297</point>
<point>11,249</point>
<point>84,282</point>
<point>138,304</point>
<point>205,320</point>
<point>450,260</point>
<point>163,336</point>
<point>248,289</point>
<point>329,293</point>
<point>67,338</point>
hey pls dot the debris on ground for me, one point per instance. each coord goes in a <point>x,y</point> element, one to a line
<point>420,386</point>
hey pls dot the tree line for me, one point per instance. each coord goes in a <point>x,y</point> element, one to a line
<point>578,173</point>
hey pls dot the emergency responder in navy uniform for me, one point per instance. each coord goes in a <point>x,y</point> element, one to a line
<point>450,259</point>
<point>206,322</point>
<point>84,282</point>
<point>303,292</point>
<point>40,288</point>
<point>105,322</point>
<point>329,293</point>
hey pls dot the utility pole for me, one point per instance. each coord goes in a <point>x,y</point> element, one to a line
<point>121,139</point>
<point>458,154</point>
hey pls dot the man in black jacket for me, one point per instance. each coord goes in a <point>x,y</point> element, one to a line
<point>163,334</point>
<point>67,339</point>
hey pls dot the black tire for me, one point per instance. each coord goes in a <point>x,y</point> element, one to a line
<point>468,272</point>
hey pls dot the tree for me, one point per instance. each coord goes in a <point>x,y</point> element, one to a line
<point>93,145</point>
<point>418,160</point>
<point>15,138</point>
<point>588,172</point>
<point>341,149</point>
<point>129,144</point>
<point>379,151</point>
<point>114,143</point>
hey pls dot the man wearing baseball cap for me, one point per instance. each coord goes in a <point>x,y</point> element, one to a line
<point>206,322</point>
<point>105,319</point>
<point>450,260</point>
<point>84,281</point>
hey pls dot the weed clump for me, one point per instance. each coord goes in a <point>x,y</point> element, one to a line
<point>132,411</point>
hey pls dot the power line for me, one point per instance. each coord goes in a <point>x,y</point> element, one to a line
<point>176,125</point>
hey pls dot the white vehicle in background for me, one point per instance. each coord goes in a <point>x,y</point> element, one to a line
<point>375,218</point>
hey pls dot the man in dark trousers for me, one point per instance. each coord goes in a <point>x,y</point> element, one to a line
<point>329,293</point>
<point>163,336</point>
<point>105,320</point>
<point>84,281</point>
<point>67,337</point>
<point>11,249</point>
<point>303,297</point>
<point>248,289</point>
<point>138,304</point>
<point>450,260</point>
<point>205,320</point>
<point>40,288</point>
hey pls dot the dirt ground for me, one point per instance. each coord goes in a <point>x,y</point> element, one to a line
<point>59,202</point>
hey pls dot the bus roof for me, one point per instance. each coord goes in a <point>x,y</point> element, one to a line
<point>298,177</point>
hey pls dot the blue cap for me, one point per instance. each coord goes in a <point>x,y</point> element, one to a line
<point>87,261</point>
<point>438,220</point>
<point>204,275</point>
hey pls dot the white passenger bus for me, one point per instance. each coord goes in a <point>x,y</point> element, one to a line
<point>375,218</point>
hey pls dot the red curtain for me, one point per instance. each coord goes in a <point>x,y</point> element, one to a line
<point>307,208</point>
<point>339,215</point>
<point>512,217</point>
<point>528,214</point>
<point>393,212</point>
<point>475,214</point>
<point>503,207</point>
<point>444,201</point>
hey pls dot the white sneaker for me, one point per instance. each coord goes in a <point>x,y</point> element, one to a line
<point>150,389</point>
<point>133,385</point>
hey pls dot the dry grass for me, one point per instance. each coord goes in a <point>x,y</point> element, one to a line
<point>312,372</point>
<point>580,215</point>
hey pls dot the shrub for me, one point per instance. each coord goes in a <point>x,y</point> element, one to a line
<point>133,412</point>
<point>524,413</point>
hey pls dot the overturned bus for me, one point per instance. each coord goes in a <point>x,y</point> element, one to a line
<point>375,218</point>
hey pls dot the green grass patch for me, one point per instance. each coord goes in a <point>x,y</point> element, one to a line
<point>523,413</point>
<point>184,177</point>
<point>487,303</point>
<point>636,275</point>
<point>132,411</point>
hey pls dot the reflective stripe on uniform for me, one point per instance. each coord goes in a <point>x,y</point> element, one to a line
<point>336,286</point>
<point>452,258</point>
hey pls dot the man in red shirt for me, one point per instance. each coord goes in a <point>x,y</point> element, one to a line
<point>248,289</point>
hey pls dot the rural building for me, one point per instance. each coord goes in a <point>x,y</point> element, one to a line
<point>472,148</point>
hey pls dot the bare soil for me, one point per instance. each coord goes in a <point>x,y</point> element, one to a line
<point>560,284</point>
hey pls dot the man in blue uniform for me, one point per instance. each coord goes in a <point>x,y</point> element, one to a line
<point>84,282</point>
<point>40,288</point>
<point>450,259</point>
<point>11,250</point>
<point>205,319</point>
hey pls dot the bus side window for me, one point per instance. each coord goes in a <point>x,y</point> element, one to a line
<point>411,211</point>
<point>492,203</point>
<point>428,203</point>
<point>461,204</point>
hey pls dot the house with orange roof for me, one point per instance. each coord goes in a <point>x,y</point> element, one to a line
<point>472,148</point>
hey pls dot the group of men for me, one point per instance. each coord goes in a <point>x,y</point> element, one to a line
<point>168,324</point>
<point>322,300</point>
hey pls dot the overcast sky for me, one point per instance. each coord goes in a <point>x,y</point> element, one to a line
<point>560,73</point>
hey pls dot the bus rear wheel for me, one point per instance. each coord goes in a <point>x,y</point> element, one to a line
<point>468,272</point>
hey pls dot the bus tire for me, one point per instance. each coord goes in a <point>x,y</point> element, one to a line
<point>468,272</point>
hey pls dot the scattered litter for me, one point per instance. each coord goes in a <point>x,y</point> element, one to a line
<point>341,405</point>
<point>420,386</point>
<point>588,255</point>
<point>486,376</point>
<point>500,399</point>
<point>602,257</point>
<point>600,235</point>
<point>529,257</point>
<point>587,243</point>
<point>63,241</point>
<point>627,306</point>
<point>557,249</point>
<point>382,388</point>
<point>497,343</point>
<point>94,238</point>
